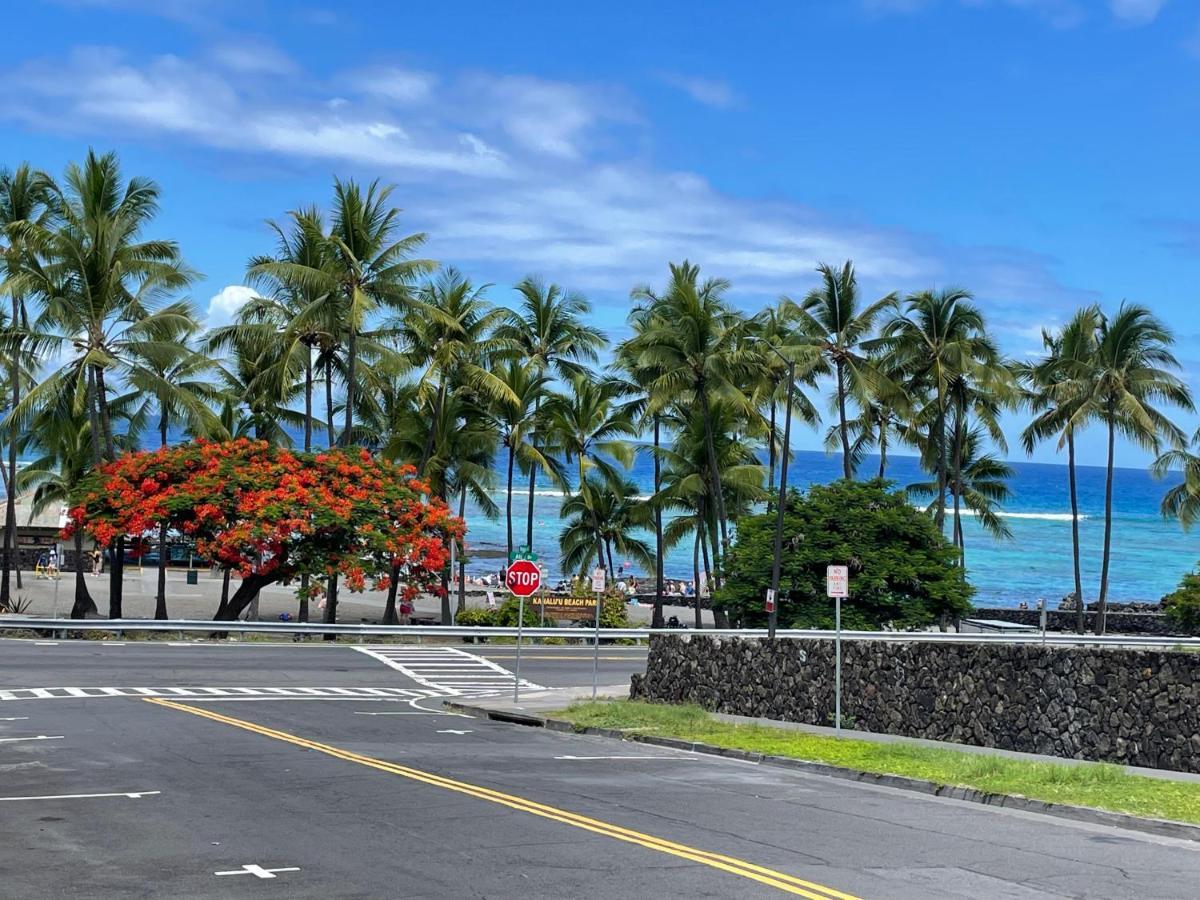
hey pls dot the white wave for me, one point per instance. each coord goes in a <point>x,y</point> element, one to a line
<point>1045,517</point>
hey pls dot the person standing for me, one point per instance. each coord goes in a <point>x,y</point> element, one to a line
<point>97,561</point>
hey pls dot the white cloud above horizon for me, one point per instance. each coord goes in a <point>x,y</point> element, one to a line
<point>1057,13</point>
<point>224,305</point>
<point>513,172</point>
<point>707,91</point>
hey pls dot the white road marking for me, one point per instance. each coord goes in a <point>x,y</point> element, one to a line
<point>40,737</point>
<point>14,719</point>
<point>454,731</point>
<point>132,795</point>
<point>447,670</point>
<point>45,643</point>
<point>218,693</point>
<point>357,713</point>
<point>623,757</point>
<point>258,871</point>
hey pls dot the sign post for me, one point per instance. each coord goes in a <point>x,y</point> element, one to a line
<point>598,577</point>
<point>837,586</point>
<point>523,578</point>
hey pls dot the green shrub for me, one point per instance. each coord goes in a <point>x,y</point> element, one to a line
<point>1182,605</point>
<point>903,573</point>
<point>474,617</point>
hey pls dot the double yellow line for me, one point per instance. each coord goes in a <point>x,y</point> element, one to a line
<point>770,877</point>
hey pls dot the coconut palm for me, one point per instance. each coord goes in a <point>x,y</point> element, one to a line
<point>696,342</point>
<point>832,318</point>
<point>104,291</point>
<point>620,514</point>
<point>27,200</point>
<point>548,331</point>
<point>1131,373</point>
<point>980,482</point>
<point>176,380</point>
<point>939,336</point>
<point>1056,398</point>
<point>363,264</point>
<point>1181,501</point>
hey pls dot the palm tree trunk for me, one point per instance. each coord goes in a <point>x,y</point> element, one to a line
<point>10,503</point>
<point>302,611</point>
<point>533,469</point>
<point>427,451</point>
<point>351,375</point>
<point>160,596</point>
<point>714,471</point>
<point>883,431</point>
<point>708,577</point>
<point>93,416</point>
<point>84,604</point>
<point>771,442</point>
<point>696,572</point>
<point>847,469</point>
<point>957,488</point>
<point>116,574</point>
<point>656,619</point>
<point>1079,610</point>
<point>608,550</point>
<point>508,506</point>
<point>447,614</point>
<point>1102,600</point>
<point>329,401</point>
<point>462,561</point>
<point>939,513</point>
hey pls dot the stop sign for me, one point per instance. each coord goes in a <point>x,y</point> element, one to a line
<point>523,578</point>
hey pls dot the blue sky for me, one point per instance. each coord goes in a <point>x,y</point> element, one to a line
<point>1040,152</point>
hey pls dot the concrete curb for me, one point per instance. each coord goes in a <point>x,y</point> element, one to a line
<point>1162,827</point>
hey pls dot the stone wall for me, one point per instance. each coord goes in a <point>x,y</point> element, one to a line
<point>1061,620</point>
<point>1136,707</point>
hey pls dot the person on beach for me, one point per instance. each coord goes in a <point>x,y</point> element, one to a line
<point>97,561</point>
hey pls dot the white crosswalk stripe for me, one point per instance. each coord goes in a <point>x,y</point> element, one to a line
<point>211,692</point>
<point>448,670</point>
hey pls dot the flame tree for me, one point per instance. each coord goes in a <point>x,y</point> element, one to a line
<point>274,515</point>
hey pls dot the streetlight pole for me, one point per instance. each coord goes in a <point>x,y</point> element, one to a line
<point>773,615</point>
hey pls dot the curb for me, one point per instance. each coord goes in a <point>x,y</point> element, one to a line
<point>1088,814</point>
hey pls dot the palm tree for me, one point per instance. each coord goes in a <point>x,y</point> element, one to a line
<point>1129,374</point>
<point>1056,399</point>
<point>363,264</point>
<point>27,200</point>
<point>590,430</point>
<point>1182,501</point>
<point>620,514</point>
<point>981,483</point>
<point>102,286</point>
<point>694,340</point>
<point>548,332</point>
<point>939,337</point>
<point>831,317</point>
<point>176,379</point>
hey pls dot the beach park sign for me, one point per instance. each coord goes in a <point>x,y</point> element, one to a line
<point>523,578</point>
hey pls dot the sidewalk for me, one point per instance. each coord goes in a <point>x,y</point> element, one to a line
<point>535,705</point>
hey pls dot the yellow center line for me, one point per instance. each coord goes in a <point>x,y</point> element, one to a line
<point>784,882</point>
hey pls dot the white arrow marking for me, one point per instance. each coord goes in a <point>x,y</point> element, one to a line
<point>454,731</point>
<point>135,795</point>
<point>40,737</point>
<point>258,871</point>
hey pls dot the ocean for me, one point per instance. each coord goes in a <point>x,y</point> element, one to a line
<point>1149,554</point>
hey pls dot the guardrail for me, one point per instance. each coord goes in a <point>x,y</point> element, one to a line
<point>208,627</point>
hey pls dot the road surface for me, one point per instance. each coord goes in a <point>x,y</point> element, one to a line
<point>229,771</point>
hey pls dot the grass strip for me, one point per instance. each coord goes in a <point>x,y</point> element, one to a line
<point>1098,785</point>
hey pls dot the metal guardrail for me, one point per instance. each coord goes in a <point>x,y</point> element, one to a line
<point>207,626</point>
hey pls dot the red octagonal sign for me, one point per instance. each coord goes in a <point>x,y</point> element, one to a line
<point>523,578</point>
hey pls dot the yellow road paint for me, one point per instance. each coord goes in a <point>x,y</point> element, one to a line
<point>770,877</point>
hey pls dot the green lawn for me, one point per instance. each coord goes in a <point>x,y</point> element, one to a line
<point>1094,784</point>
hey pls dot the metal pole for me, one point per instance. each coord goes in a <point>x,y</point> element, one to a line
<point>596,647</point>
<point>837,691</point>
<point>520,628</point>
<point>773,616</point>
<point>1042,617</point>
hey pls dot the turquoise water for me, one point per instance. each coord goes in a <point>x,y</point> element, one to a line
<point>1149,554</point>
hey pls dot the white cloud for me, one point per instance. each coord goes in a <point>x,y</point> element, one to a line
<point>401,86</point>
<point>253,58</point>
<point>224,305</point>
<point>528,175</point>
<point>1136,12</point>
<point>707,91</point>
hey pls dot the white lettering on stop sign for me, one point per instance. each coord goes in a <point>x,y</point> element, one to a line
<point>523,578</point>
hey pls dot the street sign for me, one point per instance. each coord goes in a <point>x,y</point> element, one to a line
<point>837,581</point>
<point>523,578</point>
<point>770,607</point>
<point>598,580</point>
<point>575,608</point>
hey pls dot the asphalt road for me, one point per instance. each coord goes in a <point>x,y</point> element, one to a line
<point>381,796</point>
